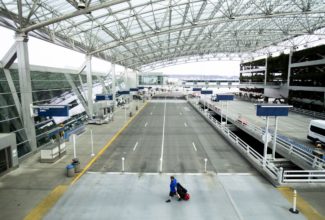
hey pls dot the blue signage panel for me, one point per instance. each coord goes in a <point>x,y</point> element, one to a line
<point>124,92</point>
<point>225,97</point>
<point>140,87</point>
<point>53,110</point>
<point>134,89</point>
<point>197,89</point>
<point>272,110</point>
<point>206,92</point>
<point>101,97</point>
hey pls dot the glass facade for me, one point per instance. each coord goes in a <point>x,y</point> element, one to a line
<point>47,88</point>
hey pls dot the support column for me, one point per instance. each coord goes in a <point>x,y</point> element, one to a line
<point>274,137</point>
<point>89,87</point>
<point>289,67</point>
<point>126,78</point>
<point>113,84</point>
<point>26,89</point>
<point>266,141</point>
<point>265,77</point>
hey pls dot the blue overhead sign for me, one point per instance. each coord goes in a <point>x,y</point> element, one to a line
<point>101,97</point>
<point>197,89</point>
<point>272,110</point>
<point>53,110</point>
<point>206,92</point>
<point>124,92</point>
<point>134,89</point>
<point>140,87</point>
<point>225,97</point>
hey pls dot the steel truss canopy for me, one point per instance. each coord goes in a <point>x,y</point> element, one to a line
<point>143,35</point>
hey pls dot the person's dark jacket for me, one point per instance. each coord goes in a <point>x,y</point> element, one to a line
<point>181,190</point>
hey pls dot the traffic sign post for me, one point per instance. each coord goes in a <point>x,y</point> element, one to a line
<point>268,110</point>
<point>224,97</point>
<point>206,92</point>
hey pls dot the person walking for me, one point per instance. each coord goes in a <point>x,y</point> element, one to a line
<point>173,189</point>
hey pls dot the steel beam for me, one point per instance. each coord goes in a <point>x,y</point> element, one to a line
<point>71,15</point>
<point>13,91</point>
<point>10,57</point>
<point>77,93</point>
<point>202,23</point>
<point>26,90</point>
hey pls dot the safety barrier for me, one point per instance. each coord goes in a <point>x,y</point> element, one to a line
<point>277,174</point>
<point>291,147</point>
<point>272,171</point>
<point>303,176</point>
<point>312,114</point>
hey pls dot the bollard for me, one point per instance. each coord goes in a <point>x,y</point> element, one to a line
<point>294,208</point>
<point>123,164</point>
<point>160,169</point>
<point>205,165</point>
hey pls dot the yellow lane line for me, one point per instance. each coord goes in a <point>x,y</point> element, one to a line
<point>43,207</point>
<point>302,205</point>
<point>106,146</point>
<point>49,201</point>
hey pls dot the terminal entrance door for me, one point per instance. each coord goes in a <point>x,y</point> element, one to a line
<point>5,159</point>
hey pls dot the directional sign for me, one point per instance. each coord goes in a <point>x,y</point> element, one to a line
<point>52,110</point>
<point>197,89</point>
<point>134,89</point>
<point>206,92</point>
<point>272,110</point>
<point>140,87</point>
<point>101,97</point>
<point>225,97</point>
<point>124,92</point>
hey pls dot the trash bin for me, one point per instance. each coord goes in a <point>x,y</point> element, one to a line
<point>70,170</point>
<point>130,114</point>
<point>76,165</point>
<point>136,108</point>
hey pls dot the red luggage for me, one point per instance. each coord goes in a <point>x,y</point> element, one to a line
<point>187,196</point>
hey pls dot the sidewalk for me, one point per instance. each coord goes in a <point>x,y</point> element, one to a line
<point>24,188</point>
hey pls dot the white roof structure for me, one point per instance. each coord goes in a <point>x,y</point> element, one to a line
<point>148,34</point>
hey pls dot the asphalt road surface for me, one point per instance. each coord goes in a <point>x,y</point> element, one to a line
<point>170,136</point>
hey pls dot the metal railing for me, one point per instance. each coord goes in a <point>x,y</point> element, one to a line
<point>299,150</point>
<point>303,176</point>
<point>277,174</point>
<point>312,114</point>
<point>242,146</point>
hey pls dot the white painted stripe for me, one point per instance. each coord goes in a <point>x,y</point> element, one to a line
<point>163,140</point>
<point>185,124</point>
<point>194,146</point>
<point>235,174</point>
<point>233,203</point>
<point>147,174</point>
<point>146,124</point>
<point>135,146</point>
